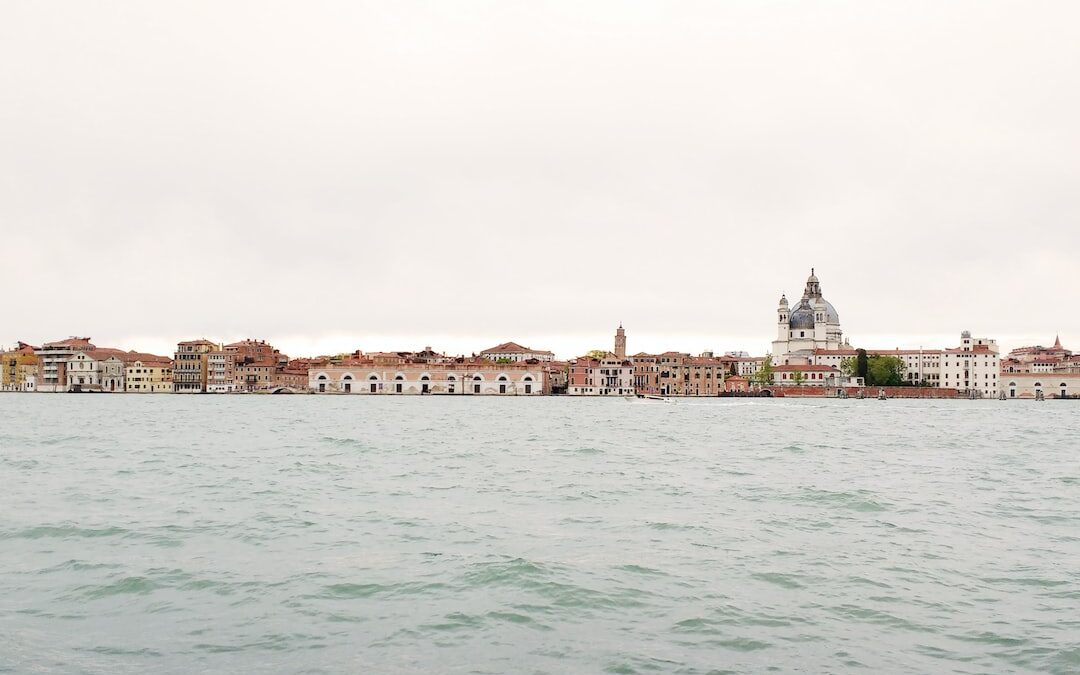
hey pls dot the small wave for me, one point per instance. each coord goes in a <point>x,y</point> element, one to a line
<point>63,532</point>
<point>1025,581</point>
<point>127,585</point>
<point>673,526</point>
<point>350,591</point>
<point>790,581</point>
<point>638,569</point>
<point>855,501</point>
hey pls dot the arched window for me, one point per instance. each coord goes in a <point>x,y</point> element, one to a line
<point>399,377</point>
<point>322,377</point>
<point>451,378</point>
<point>373,377</point>
<point>347,377</point>
<point>424,377</point>
<point>502,378</point>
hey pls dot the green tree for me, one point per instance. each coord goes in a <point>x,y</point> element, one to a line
<point>861,365</point>
<point>764,375</point>
<point>597,354</point>
<point>798,378</point>
<point>848,367</point>
<point>885,371</point>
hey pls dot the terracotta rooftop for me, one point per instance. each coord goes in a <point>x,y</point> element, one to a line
<point>512,348</point>
<point>71,342</point>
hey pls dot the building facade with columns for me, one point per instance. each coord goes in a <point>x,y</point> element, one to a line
<point>466,377</point>
<point>426,372</point>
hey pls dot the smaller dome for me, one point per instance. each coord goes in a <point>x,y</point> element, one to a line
<point>783,301</point>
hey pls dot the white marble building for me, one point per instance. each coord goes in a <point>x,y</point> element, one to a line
<point>812,324</point>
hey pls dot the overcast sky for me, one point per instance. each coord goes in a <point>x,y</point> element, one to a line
<point>390,175</point>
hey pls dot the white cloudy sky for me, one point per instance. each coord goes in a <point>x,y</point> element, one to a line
<point>341,175</point>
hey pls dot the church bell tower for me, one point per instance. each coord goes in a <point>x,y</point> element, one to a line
<point>620,343</point>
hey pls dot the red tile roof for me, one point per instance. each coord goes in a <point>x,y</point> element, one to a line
<point>512,348</point>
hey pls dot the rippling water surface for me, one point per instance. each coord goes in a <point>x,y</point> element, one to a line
<point>483,535</point>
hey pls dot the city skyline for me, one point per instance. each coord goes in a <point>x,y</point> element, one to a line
<point>565,346</point>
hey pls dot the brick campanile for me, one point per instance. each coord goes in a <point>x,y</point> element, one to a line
<point>620,343</point>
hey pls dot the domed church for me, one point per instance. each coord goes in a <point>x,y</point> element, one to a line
<point>811,324</point>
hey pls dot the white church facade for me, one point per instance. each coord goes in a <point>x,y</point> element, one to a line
<point>812,324</point>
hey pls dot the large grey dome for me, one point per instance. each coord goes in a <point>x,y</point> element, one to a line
<point>830,312</point>
<point>802,317</point>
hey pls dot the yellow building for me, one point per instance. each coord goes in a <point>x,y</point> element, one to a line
<point>19,369</point>
<point>149,375</point>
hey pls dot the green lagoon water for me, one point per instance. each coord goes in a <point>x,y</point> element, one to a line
<point>304,534</point>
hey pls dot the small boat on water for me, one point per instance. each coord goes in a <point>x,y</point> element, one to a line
<point>652,397</point>
<point>881,395</point>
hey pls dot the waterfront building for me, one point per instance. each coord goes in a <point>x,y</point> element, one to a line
<point>1033,385</point>
<point>604,376</point>
<point>813,323</point>
<point>148,374</point>
<point>557,376</point>
<point>18,368</point>
<point>401,375</point>
<point>293,375</point>
<point>255,374</point>
<point>808,376</point>
<point>221,372</point>
<point>53,357</point>
<point>973,367</point>
<point>514,352</point>
<point>609,375</point>
<point>680,374</point>
<point>256,350</point>
<point>736,384</point>
<point>258,366</point>
<point>646,373</point>
<point>94,370</point>
<point>112,370</point>
<point>190,366</point>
